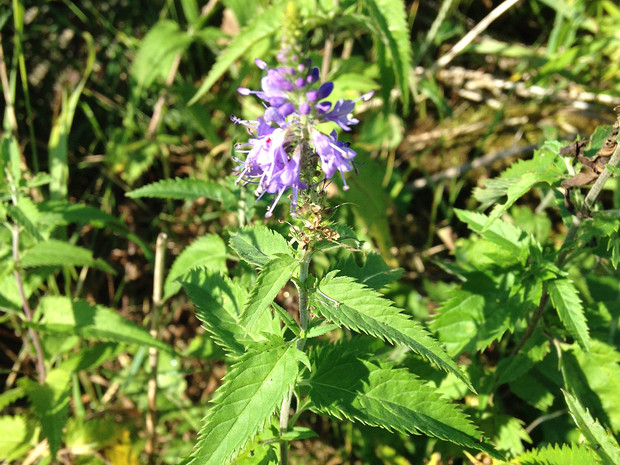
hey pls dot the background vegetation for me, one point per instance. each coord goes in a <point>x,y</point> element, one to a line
<point>103,97</point>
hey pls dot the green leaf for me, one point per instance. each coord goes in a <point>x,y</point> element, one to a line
<point>219,304</point>
<point>63,315</point>
<point>566,301</point>
<point>298,433</point>
<point>271,280</point>
<point>262,26</point>
<point>27,215</point>
<point>157,51</point>
<point>483,308</point>
<point>14,438</point>
<point>390,20</point>
<point>344,384</point>
<point>613,169</point>
<point>208,251</point>
<point>62,213</point>
<point>508,237</point>
<point>59,136</point>
<point>348,303</point>
<point>544,167</point>
<point>603,443</point>
<point>253,389</point>
<point>566,454</point>
<point>185,188</point>
<point>257,245</point>
<point>592,377</point>
<point>51,404</point>
<point>374,273</point>
<point>10,396</point>
<point>58,253</point>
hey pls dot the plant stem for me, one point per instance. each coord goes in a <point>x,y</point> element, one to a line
<point>158,279</point>
<point>304,319</point>
<point>26,306</point>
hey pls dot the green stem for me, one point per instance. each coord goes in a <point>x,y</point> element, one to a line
<point>304,320</point>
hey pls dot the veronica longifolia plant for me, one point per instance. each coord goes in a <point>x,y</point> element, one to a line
<point>279,366</point>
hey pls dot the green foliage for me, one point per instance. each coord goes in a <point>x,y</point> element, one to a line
<point>254,387</point>
<point>566,301</point>
<point>260,27</point>
<point>344,385</point>
<point>257,245</point>
<point>603,443</point>
<point>58,253</point>
<point>271,280</point>
<point>389,19</point>
<point>208,251</point>
<point>185,189</point>
<point>341,300</point>
<point>557,455</point>
<point>50,401</point>
<point>219,303</point>
<point>64,316</point>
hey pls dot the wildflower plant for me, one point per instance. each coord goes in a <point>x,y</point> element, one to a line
<point>282,363</point>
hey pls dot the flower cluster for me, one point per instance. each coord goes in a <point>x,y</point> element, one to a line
<point>287,148</point>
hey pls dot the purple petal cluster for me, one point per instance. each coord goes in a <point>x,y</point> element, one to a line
<point>287,144</point>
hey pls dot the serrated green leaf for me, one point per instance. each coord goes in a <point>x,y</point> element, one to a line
<point>262,26</point>
<point>603,443</point>
<point>208,251</point>
<point>219,304</point>
<point>345,302</point>
<point>51,404</point>
<point>390,21</point>
<point>374,273</point>
<point>566,301</point>
<point>253,389</point>
<point>343,384</point>
<point>14,437</point>
<point>271,280</point>
<point>185,189</point>
<point>483,309</point>
<point>63,315</point>
<point>287,319</point>
<point>566,454</point>
<point>528,388</point>
<point>509,237</point>
<point>58,253</point>
<point>592,377</point>
<point>257,245</point>
<point>26,214</point>
<point>544,167</point>
<point>10,396</point>
<point>157,52</point>
<point>62,213</point>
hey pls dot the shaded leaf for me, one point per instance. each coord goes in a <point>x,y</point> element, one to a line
<point>344,384</point>
<point>50,401</point>
<point>258,245</point>
<point>208,251</point>
<point>219,303</point>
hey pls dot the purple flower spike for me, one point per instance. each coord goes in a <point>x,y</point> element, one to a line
<point>287,147</point>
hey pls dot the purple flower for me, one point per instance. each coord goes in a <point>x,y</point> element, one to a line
<point>287,147</point>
